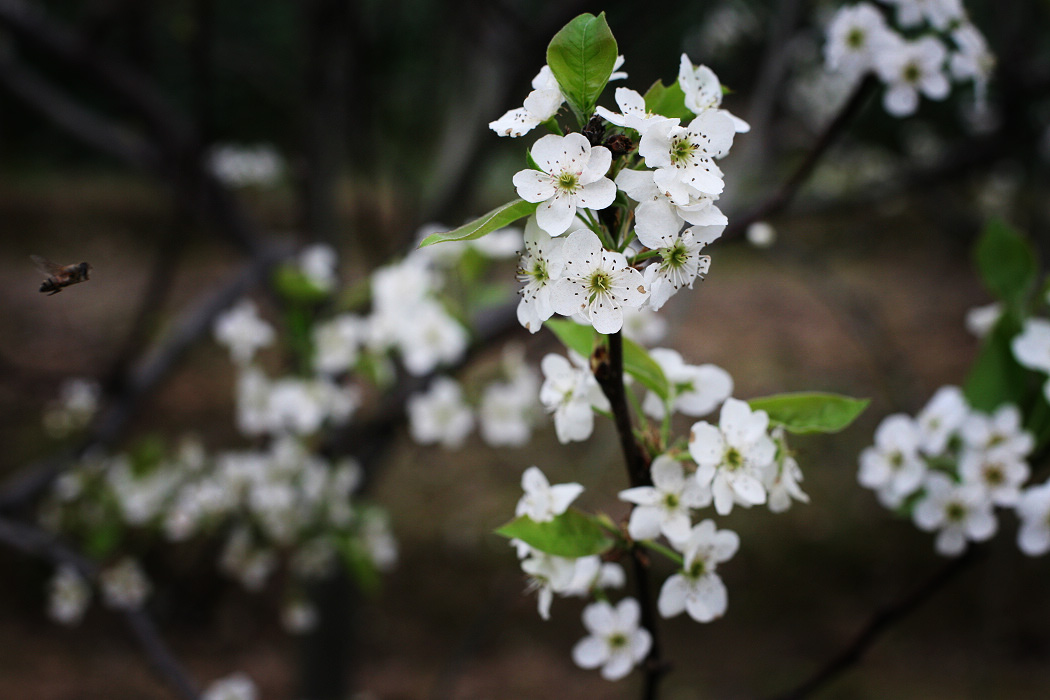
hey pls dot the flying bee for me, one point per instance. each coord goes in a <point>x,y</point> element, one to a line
<point>59,276</point>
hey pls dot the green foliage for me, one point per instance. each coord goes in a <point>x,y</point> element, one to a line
<point>574,336</point>
<point>494,220</point>
<point>1006,263</point>
<point>296,287</point>
<point>995,377</point>
<point>572,534</point>
<point>668,101</point>
<point>358,564</point>
<point>638,364</point>
<point>809,412</point>
<point>582,56</point>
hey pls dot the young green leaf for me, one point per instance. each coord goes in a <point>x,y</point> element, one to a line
<point>806,412</point>
<point>668,101</point>
<point>582,56</point>
<point>572,534</point>
<point>995,377</point>
<point>1006,262</point>
<point>496,219</point>
<point>573,336</point>
<point>638,364</point>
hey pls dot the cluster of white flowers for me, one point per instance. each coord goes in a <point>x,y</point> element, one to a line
<point>76,405</point>
<point>566,267</point>
<point>951,465</point>
<point>505,416</point>
<point>946,46</point>
<point>243,166</point>
<point>736,462</point>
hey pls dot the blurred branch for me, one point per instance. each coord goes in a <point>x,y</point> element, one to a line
<point>881,621</point>
<point>783,196</point>
<point>36,542</point>
<point>141,381</point>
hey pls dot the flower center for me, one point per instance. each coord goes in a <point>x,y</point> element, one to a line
<point>911,73</point>
<point>733,458</point>
<point>993,475</point>
<point>697,569</point>
<point>568,181</point>
<point>671,501</point>
<point>675,257</point>
<point>600,283</point>
<point>682,150</point>
<point>617,640</point>
<point>955,512</point>
<point>855,38</point>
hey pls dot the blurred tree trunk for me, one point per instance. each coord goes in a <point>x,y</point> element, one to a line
<point>326,37</point>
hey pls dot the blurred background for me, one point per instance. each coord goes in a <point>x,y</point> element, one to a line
<point>372,120</point>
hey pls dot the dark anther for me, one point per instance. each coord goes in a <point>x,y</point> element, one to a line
<point>619,144</point>
<point>595,130</point>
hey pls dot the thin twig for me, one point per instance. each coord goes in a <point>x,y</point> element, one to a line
<point>783,196</point>
<point>882,620</point>
<point>36,542</point>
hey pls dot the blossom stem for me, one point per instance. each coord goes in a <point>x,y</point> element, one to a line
<point>666,551</point>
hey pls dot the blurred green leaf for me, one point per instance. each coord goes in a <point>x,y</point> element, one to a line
<point>572,534</point>
<point>103,538</point>
<point>496,219</point>
<point>296,287</point>
<point>995,377</point>
<point>358,564</point>
<point>1006,263</point>
<point>638,364</point>
<point>810,412</point>
<point>582,56</point>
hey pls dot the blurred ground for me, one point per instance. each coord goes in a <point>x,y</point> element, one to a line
<point>869,305</point>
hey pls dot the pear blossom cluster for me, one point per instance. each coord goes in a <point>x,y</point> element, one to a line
<point>918,52</point>
<point>951,466</point>
<point>739,462</point>
<point>77,403</point>
<point>670,173</point>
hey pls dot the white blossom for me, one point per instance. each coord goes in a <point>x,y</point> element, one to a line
<point>318,263</point>
<point>1033,509</point>
<point>703,92</point>
<point>730,459</point>
<point>911,67</point>
<point>683,156</point>
<point>616,643</point>
<point>665,507</point>
<point>940,418</point>
<point>236,686</point>
<point>697,588</point>
<point>695,390</point>
<point>596,283</point>
<point>960,512</point>
<point>893,465</point>
<point>243,331</point>
<point>980,320</point>
<point>440,415</point>
<point>542,103</point>
<point>782,476</point>
<point>857,35</point>
<point>69,596</point>
<point>540,266</point>
<point>571,175</point>
<point>124,586</point>
<point>543,502</point>
<point>569,391</point>
<point>680,265</point>
<point>633,115</point>
<point>337,343</point>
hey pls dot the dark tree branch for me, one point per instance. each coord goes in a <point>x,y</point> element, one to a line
<point>36,542</point>
<point>147,374</point>
<point>607,365</point>
<point>881,621</point>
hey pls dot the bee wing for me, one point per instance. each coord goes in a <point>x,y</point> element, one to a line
<point>46,266</point>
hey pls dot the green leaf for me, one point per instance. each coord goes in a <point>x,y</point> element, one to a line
<point>809,412</point>
<point>1006,263</point>
<point>668,101</point>
<point>359,564</point>
<point>582,56</point>
<point>638,364</point>
<point>494,220</point>
<point>995,377</point>
<point>573,335</point>
<point>572,534</point>
<point>295,286</point>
